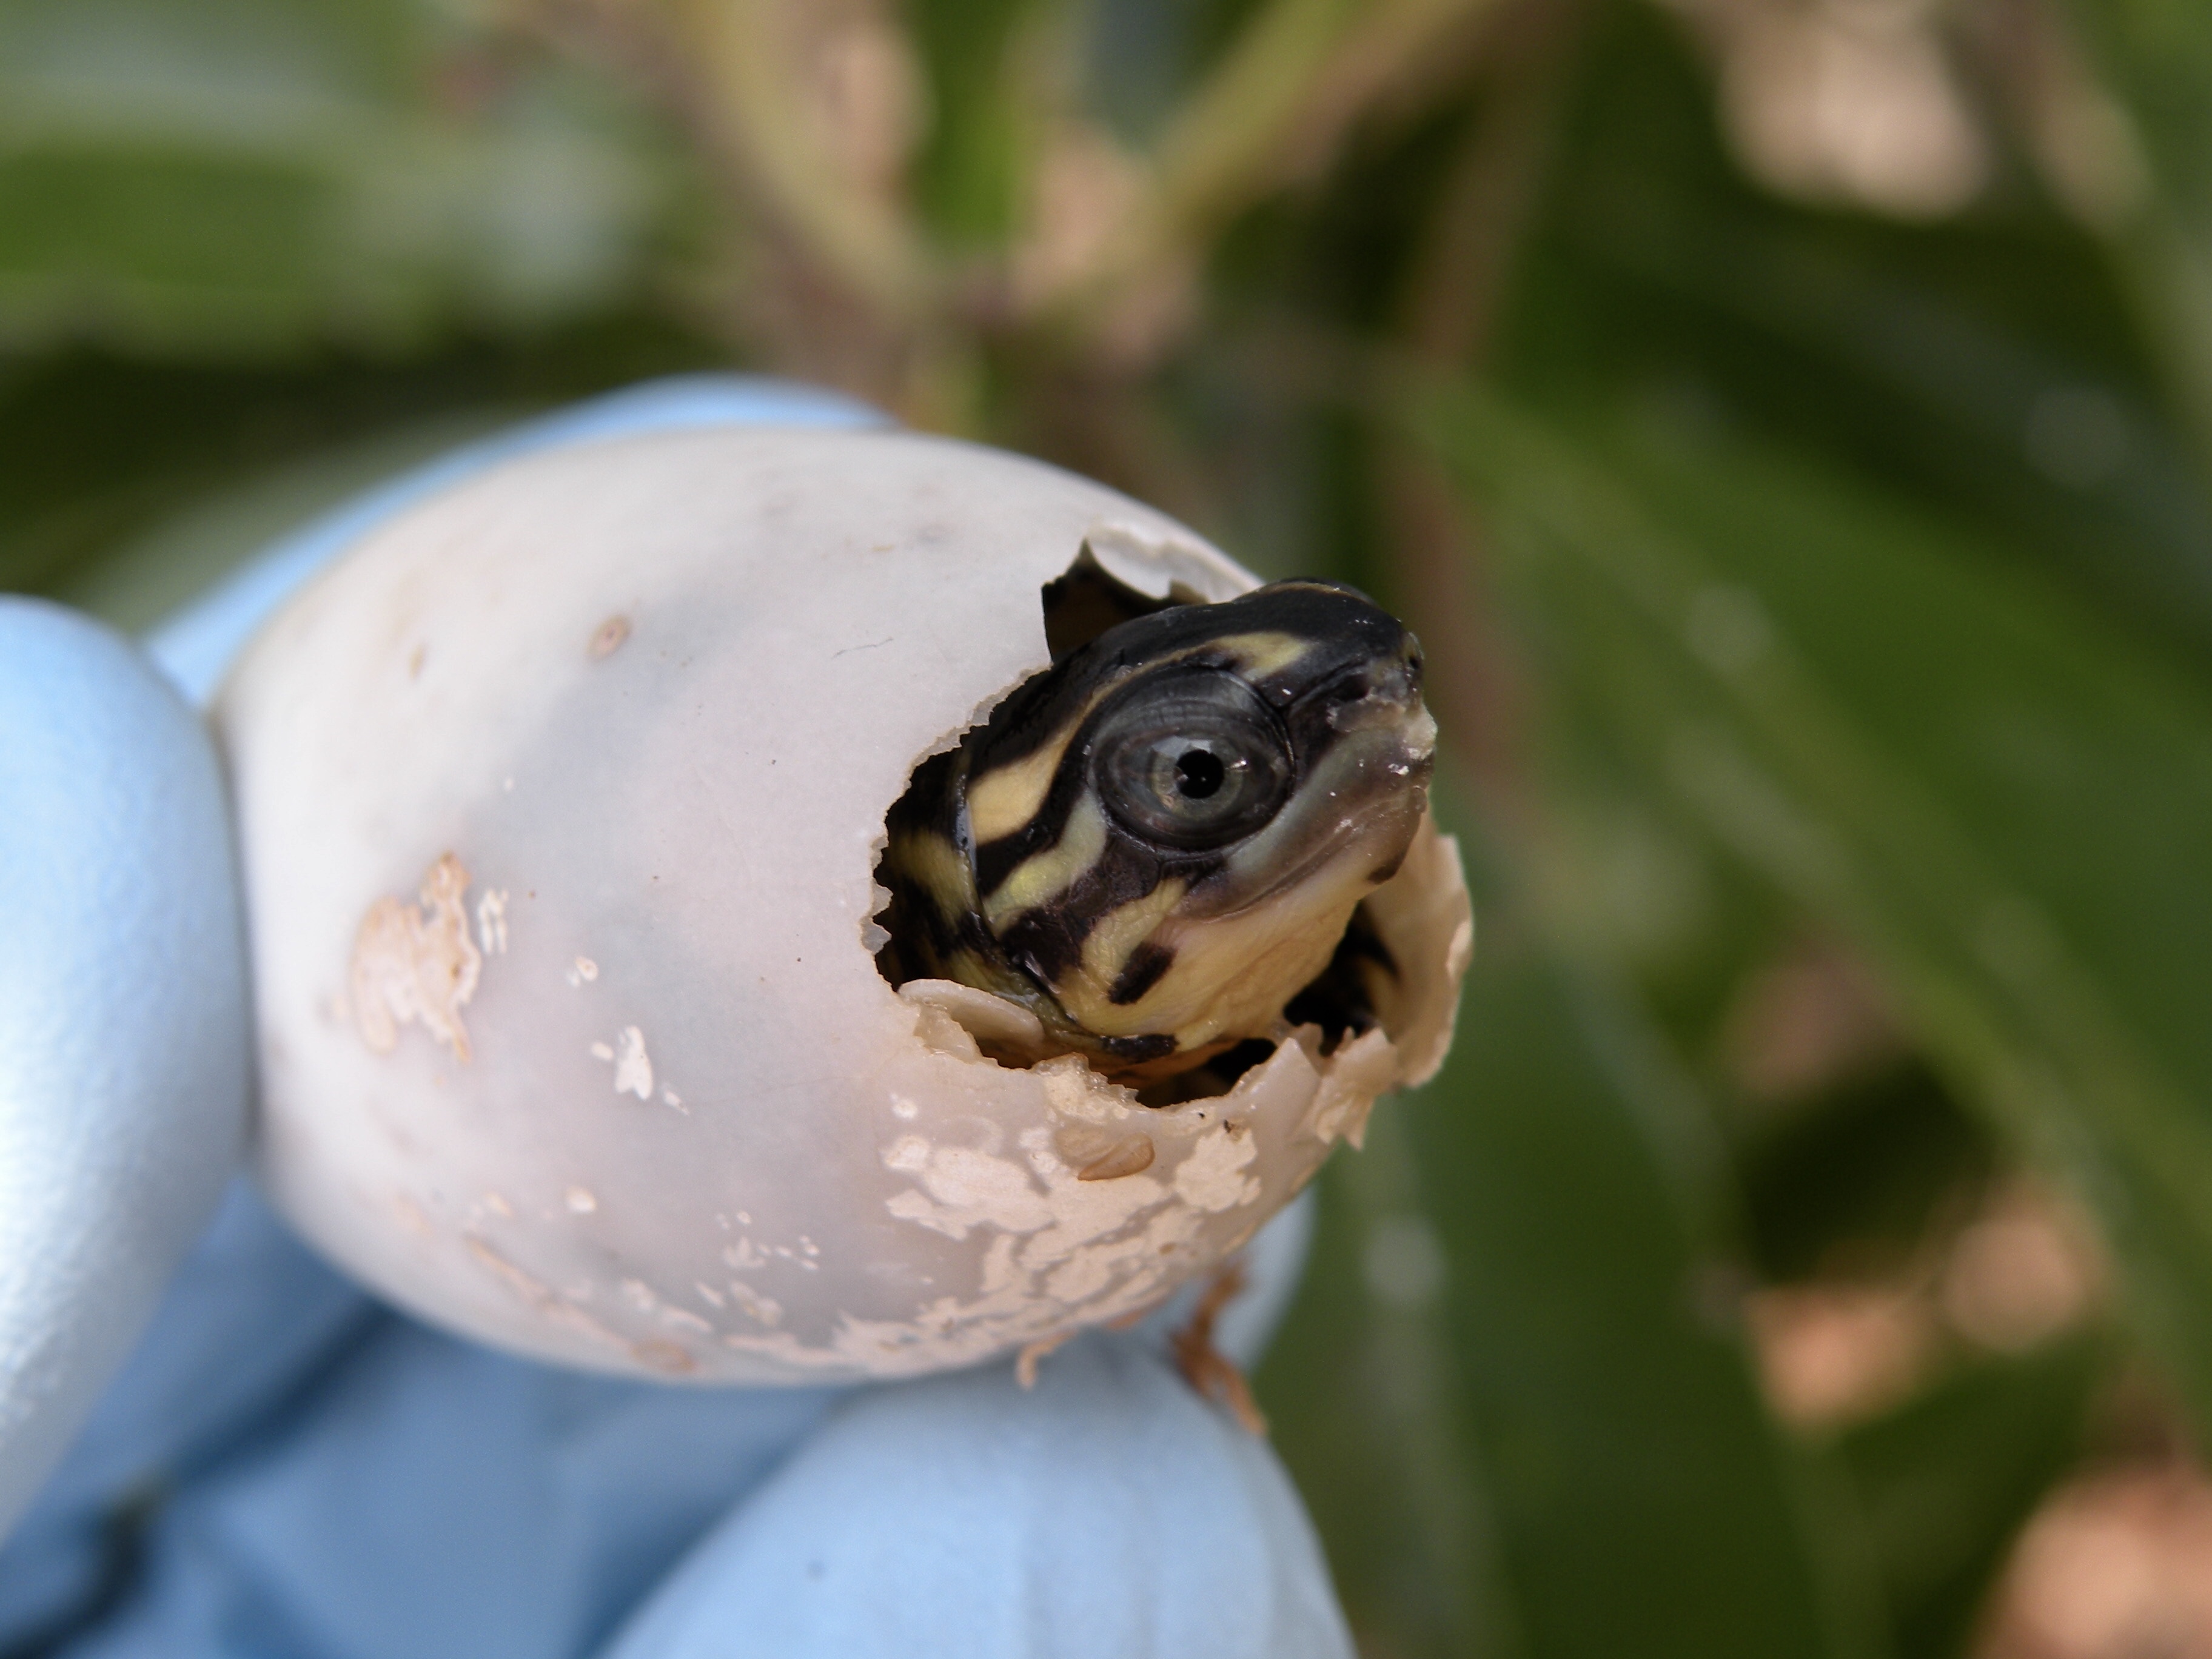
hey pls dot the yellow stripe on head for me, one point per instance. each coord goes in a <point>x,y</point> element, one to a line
<point>1045,876</point>
<point>1003,801</point>
<point>1262,654</point>
<point>933,866</point>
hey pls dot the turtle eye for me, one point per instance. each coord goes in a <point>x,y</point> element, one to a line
<point>1193,765</point>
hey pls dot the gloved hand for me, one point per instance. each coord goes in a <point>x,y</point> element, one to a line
<point>285,1467</point>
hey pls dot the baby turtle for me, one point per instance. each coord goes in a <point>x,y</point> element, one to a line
<point>1160,841</point>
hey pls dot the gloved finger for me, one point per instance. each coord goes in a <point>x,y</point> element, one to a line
<point>249,1313</point>
<point>1109,1512</point>
<point>195,647</point>
<point>431,1499</point>
<point>124,1057</point>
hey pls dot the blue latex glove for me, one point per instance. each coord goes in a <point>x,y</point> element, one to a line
<point>285,1467</point>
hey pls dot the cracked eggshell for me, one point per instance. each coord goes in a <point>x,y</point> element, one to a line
<point>561,797</point>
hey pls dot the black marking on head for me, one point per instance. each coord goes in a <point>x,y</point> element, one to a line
<point>1047,942</point>
<point>1146,966</point>
<point>928,806</point>
<point>997,860</point>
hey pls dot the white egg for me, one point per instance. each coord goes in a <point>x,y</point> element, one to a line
<point>561,797</point>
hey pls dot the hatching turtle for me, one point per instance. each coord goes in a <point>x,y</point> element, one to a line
<point>1158,843</point>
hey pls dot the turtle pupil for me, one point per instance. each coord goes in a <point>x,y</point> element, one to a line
<point>1198,774</point>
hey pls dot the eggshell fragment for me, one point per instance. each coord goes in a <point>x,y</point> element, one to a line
<point>560,797</point>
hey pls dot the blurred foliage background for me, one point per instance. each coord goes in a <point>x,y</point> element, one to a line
<point>1788,423</point>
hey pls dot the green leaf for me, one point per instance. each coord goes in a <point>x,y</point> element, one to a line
<point>246,176</point>
<point>2137,171</point>
<point>2002,800</point>
<point>1991,366</point>
<point>1366,1405</point>
<point>1947,1481</point>
<point>1516,1394</point>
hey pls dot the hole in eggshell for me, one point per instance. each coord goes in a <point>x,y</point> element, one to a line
<point>1393,969</point>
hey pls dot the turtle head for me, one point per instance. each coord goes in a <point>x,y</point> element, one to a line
<point>1159,841</point>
